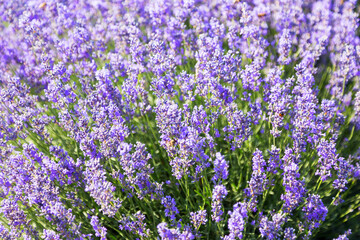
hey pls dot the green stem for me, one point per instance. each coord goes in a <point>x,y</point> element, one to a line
<point>184,186</point>
<point>337,195</point>
<point>352,132</point>
<point>318,184</point>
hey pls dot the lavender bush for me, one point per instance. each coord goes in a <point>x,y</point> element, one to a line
<point>179,119</point>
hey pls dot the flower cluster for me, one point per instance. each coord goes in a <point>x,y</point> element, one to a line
<point>179,119</point>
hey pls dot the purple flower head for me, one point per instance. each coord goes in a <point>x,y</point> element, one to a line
<point>343,171</point>
<point>274,161</point>
<point>186,82</point>
<point>168,118</point>
<point>344,236</point>
<point>163,85</point>
<point>258,179</point>
<point>219,193</point>
<point>50,235</point>
<point>135,224</point>
<point>356,171</point>
<point>294,188</point>
<point>251,77</point>
<point>356,118</point>
<point>267,228</point>
<point>15,216</point>
<point>173,233</point>
<point>99,188</point>
<point>225,76</point>
<point>327,158</point>
<point>136,168</point>
<point>166,233</point>
<point>271,229</point>
<point>329,109</point>
<point>315,211</point>
<point>239,126</point>
<point>279,100</point>
<point>237,221</point>
<point>284,47</point>
<point>100,231</point>
<point>170,207</point>
<point>4,233</point>
<point>220,167</point>
<point>198,218</point>
<point>289,234</point>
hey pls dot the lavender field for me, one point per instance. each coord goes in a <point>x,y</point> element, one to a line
<point>179,119</point>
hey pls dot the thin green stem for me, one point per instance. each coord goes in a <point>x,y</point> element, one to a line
<point>352,132</point>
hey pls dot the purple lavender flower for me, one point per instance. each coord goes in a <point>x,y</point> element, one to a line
<point>305,106</point>
<point>284,47</point>
<point>343,45</point>
<point>279,100</point>
<point>65,170</point>
<point>170,207</point>
<point>271,229</point>
<point>159,61</point>
<point>136,169</point>
<point>100,231</point>
<point>186,82</point>
<point>93,76</point>
<point>251,77</point>
<point>220,167</point>
<point>274,161</point>
<point>173,233</point>
<point>343,171</point>
<point>294,188</point>
<point>289,234</point>
<point>168,118</point>
<point>14,215</point>
<point>99,188</point>
<point>163,85</point>
<point>137,226</point>
<point>219,193</point>
<point>344,236</point>
<point>166,233</point>
<point>33,187</point>
<point>267,228</point>
<point>320,22</point>
<point>237,221</point>
<point>331,118</point>
<point>198,218</point>
<point>356,118</point>
<point>4,233</point>
<point>50,235</point>
<point>315,211</point>
<point>327,158</point>
<point>239,128</point>
<point>258,181</point>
